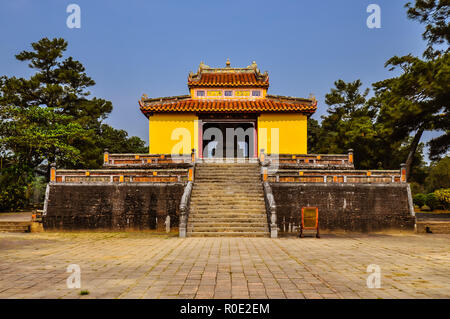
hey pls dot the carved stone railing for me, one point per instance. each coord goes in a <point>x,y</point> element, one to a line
<point>271,210</point>
<point>309,161</point>
<point>334,176</point>
<point>145,160</point>
<point>185,204</point>
<point>180,175</point>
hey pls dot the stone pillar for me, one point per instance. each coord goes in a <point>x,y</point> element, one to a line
<point>261,155</point>
<point>350,156</point>
<point>105,157</point>
<point>403,173</point>
<point>53,173</point>
<point>167,223</point>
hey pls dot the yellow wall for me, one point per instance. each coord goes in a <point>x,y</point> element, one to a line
<point>177,133</point>
<point>291,133</point>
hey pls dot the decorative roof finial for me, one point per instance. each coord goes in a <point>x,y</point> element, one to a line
<point>228,62</point>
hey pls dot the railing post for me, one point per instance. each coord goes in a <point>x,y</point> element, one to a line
<point>261,155</point>
<point>53,172</point>
<point>193,155</point>
<point>105,157</point>
<point>403,173</point>
<point>350,156</point>
<point>184,210</point>
<point>271,208</point>
<point>264,174</point>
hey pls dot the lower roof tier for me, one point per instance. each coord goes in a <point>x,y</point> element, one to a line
<point>271,103</point>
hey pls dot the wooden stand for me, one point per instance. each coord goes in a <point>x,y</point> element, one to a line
<point>309,220</point>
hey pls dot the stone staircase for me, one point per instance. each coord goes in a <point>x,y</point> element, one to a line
<point>15,226</point>
<point>227,200</point>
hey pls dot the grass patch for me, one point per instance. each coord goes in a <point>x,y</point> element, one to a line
<point>84,292</point>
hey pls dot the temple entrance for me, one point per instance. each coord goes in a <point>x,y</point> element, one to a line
<point>228,139</point>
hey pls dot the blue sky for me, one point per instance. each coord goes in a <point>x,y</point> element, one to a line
<point>135,47</point>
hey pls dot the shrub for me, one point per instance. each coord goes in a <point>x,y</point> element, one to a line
<point>443,196</point>
<point>419,199</point>
<point>425,208</point>
<point>431,201</point>
<point>439,176</point>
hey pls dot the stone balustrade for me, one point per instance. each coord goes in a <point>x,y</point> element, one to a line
<point>145,160</point>
<point>121,176</point>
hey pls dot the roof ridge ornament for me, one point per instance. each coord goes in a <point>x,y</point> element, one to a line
<point>228,64</point>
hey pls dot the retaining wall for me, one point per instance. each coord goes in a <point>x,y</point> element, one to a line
<point>112,206</point>
<point>352,207</point>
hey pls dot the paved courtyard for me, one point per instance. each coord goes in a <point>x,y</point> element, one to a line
<point>143,265</point>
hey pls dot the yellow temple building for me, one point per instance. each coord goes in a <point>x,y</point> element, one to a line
<point>228,113</point>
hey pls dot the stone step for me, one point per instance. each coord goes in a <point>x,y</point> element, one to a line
<point>227,216</point>
<point>228,189</point>
<point>227,177</point>
<point>228,209</point>
<point>236,187</point>
<point>229,225</point>
<point>15,228</point>
<point>223,195</point>
<point>14,223</point>
<point>221,219</point>
<point>235,229</point>
<point>229,198</point>
<point>205,202</point>
<point>232,197</point>
<point>227,167</point>
<point>231,207</point>
<point>226,181</point>
<point>223,173</point>
<point>227,234</point>
<point>433,226</point>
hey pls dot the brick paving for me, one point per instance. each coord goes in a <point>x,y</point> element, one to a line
<point>142,265</point>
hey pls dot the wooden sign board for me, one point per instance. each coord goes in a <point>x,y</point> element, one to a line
<point>309,220</point>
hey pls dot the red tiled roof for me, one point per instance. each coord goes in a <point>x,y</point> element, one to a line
<point>238,79</point>
<point>226,106</point>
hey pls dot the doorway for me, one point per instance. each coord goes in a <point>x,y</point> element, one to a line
<point>227,139</point>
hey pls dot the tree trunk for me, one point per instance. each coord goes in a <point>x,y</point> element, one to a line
<point>412,151</point>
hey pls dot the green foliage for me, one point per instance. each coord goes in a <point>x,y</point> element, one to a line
<point>439,199</point>
<point>349,124</point>
<point>439,175</point>
<point>49,118</point>
<point>419,199</point>
<point>314,131</point>
<point>15,179</point>
<point>431,201</point>
<point>443,195</point>
<point>117,141</point>
<point>434,13</point>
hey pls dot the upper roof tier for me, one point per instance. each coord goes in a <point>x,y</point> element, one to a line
<point>207,76</point>
<point>228,90</point>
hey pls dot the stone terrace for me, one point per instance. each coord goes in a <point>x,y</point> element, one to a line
<point>145,265</point>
